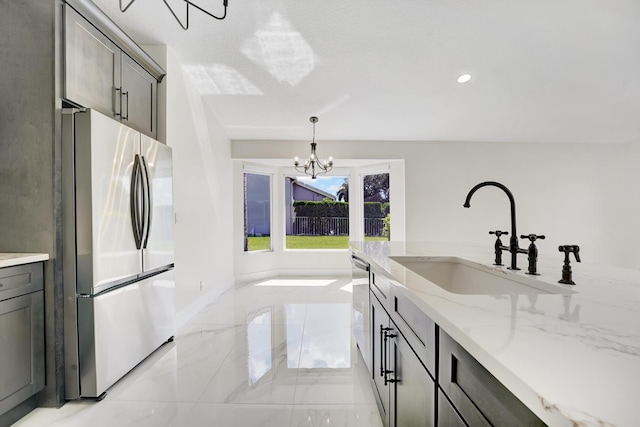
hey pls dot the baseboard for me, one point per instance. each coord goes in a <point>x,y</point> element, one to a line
<point>311,272</point>
<point>186,314</point>
<point>18,411</point>
<point>245,279</point>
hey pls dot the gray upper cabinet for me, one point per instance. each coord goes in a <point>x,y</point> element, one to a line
<point>139,97</point>
<point>100,75</point>
<point>92,66</point>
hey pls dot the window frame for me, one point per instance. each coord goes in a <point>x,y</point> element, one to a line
<point>257,170</point>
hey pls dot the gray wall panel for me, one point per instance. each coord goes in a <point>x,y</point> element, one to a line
<point>29,189</point>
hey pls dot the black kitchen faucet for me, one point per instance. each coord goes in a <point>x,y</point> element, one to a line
<point>513,247</point>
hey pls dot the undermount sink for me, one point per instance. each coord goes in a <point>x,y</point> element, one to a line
<point>460,276</point>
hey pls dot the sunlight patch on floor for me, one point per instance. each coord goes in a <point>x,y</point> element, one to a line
<point>295,282</point>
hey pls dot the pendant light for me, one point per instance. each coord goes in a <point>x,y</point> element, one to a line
<point>314,166</point>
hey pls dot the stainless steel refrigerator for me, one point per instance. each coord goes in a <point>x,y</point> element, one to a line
<point>117,250</point>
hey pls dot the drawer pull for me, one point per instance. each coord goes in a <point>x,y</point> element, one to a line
<point>386,371</point>
<point>382,367</point>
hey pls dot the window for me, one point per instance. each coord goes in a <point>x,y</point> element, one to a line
<point>317,212</point>
<point>257,212</point>
<point>377,207</point>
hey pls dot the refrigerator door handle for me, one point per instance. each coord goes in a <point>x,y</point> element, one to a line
<point>135,214</point>
<point>146,202</point>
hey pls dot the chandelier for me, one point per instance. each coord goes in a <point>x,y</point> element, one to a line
<point>189,4</point>
<point>309,167</point>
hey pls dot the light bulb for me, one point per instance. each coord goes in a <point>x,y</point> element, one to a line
<point>463,78</point>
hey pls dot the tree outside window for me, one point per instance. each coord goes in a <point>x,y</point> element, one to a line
<point>377,207</point>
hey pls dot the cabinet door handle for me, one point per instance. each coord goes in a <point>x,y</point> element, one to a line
<point>127,104</point>
<point>382,367</point>
<point>116,104</point>
<point>387,335</point>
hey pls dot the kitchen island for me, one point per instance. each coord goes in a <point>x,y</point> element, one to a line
<point>572,357</point>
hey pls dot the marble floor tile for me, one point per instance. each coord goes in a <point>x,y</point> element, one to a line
<point>109,414</point>
<point>278,352</point>
<point>335,416</point>
<point>184,370</point>
<point>232,415</point>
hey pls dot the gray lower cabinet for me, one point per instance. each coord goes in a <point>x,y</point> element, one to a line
<point>21,336</point>
<point>447,415</point>
<point>381,287</point>
<point>422,377</point>
<point>99,75</point>
<point>379,321</point>
<point>412,389</point>
<point>402,386</point>
<point>480,399</point>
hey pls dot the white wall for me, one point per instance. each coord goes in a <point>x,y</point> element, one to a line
<point>202,169</point>
<point>585,194</point>
<point>573,194</point>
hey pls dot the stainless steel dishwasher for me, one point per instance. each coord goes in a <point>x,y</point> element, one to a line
<point>22,349</point>
<point>361,318</point>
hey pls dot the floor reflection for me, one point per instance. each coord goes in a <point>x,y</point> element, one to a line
<point>326,341</point>
<point>260,345</point>
<point>278,353</point>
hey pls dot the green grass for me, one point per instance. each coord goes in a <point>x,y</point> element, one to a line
<point>308,242</point>
<point>259,243</point>
<point>375,239</point>
<point>317,242</point>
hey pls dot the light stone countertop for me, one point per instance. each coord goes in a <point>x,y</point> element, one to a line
<point>573,358</point>
<point>12,259</point>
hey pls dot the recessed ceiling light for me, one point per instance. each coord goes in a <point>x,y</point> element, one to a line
<point>464,78</point>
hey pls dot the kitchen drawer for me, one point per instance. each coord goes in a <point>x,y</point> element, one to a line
<point>477,395</point>
<point>381,287</point>
<point>447,415</point>
<point>20,280</point>
<point>417,328</point>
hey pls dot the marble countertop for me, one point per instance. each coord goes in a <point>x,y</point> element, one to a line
<point>11,259</point>
<point>573,357</point>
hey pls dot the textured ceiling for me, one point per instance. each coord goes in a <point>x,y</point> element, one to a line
<point>542,70</point>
